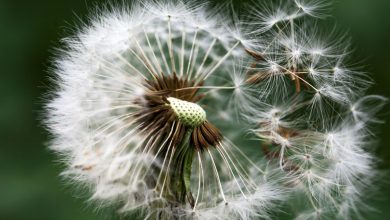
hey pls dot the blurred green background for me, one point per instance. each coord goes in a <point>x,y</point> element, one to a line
<point>30,187</point>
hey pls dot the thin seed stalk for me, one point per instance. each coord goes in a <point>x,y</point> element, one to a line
<point>187,168</point>
<point>178,187</point>
<point>182,174</point>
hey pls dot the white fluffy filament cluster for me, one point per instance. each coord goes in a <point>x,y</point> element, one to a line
<point>304,103</point>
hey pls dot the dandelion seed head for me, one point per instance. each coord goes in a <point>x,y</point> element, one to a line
<point>155,104</point>
<point>129,116</point>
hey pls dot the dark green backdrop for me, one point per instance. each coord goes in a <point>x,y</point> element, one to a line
<point>29,184</point>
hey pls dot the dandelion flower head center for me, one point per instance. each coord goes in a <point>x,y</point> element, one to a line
<point>190,114</point>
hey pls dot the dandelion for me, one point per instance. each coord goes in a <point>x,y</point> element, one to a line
<point>139,93</point>
<point>160,109</point>
<point>312,117</point>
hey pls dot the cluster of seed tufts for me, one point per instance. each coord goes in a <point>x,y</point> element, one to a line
<point>190,114</point>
